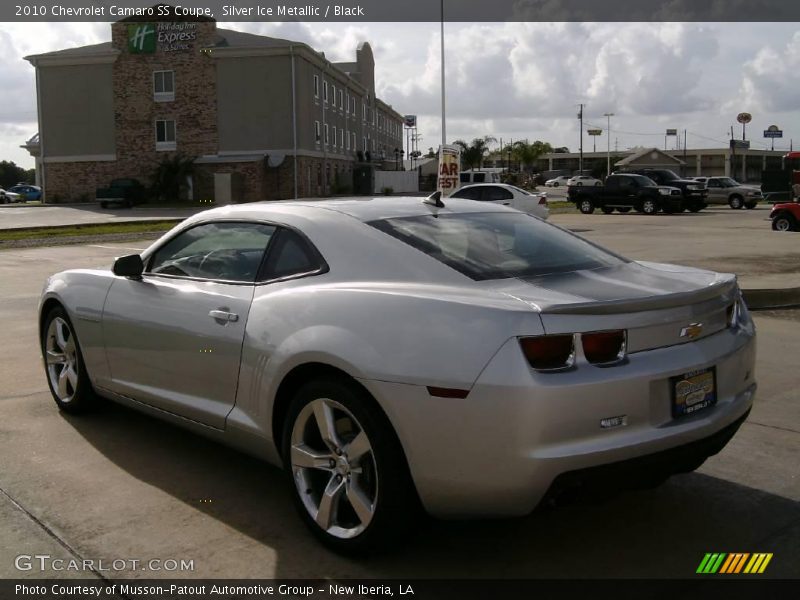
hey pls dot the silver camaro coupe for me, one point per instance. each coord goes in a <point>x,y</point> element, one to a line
<point>396,355</point>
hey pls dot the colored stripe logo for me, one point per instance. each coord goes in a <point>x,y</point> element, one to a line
<point>734,563</point>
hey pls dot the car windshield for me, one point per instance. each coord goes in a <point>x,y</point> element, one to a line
<point>520,190</point>
<point>645,181</point>
<point>497,245</point>
<point>668,175</point>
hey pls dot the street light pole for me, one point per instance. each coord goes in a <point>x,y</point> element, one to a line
<point>444,127</point>
<point>580,160</point>
<point>608,142</point>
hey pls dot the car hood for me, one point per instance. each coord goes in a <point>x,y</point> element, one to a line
<point>633,286</point>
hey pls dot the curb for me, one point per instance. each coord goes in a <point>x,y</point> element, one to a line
<point>764,299</point>
<point>92,224</point>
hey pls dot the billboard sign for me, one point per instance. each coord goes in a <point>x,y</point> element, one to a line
<point>672,132</point>
<point>449,169</point>
<point>410,121</point>
<point>594,131</point>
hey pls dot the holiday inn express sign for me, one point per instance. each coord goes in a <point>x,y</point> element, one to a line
<point>146,38</point>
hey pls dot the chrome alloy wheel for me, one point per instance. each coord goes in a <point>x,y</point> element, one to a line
<point>333,466</point>
<point>61,358</point>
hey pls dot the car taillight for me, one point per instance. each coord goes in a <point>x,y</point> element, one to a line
<point>602,347</point>
<point>549,352</point>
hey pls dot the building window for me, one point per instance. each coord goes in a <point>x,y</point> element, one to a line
<point>325,91</point>
<point>341,99</point>
<point>341,138</point>
<point>317,132</point>
<point>316,86</point>
<point>163,86</point>
<point>333,102</point>
<point>353,135</point>
<point>334,134</point>
<point>347,99</point>
<point>165,134</point>
<point>364,110</point>
<point>348,140</point>
<point>353,110</point>
<point>327,139</point>
<point>365,144</point>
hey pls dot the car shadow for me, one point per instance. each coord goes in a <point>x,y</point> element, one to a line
<point>654,533</point>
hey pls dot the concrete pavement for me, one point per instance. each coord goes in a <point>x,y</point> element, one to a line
<point>17,217</point>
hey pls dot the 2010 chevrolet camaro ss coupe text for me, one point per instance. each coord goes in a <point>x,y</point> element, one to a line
<point>394,354</point>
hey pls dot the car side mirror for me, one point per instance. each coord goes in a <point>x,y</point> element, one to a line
<point>129,266</point>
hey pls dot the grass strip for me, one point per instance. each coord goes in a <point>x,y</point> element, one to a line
<point>86,229</point>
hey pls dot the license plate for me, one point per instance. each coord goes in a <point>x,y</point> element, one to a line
<point>693,391</point>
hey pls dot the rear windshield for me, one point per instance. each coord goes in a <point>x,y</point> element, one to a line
<point>497,245</point>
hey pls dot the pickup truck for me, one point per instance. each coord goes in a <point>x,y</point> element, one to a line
<point>694,192</point>
<point>121,191</point>
<point>626,191</point>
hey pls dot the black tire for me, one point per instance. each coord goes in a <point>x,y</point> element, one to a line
<point>784,221</point>
<point>555,184</point>
<point>624,209</point>
<point>396,505</point>
<point>649,206</point>
<point>598,184</point>
<point>750,205</point>
<point>607,210</point>
<point>83,397</point>
<point>104,205</point>
<point>736,202</point>
<point>128,204</point>
<point>586,206</point>
<point>695,208</point>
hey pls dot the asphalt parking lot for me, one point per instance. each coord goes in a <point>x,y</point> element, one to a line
<point>119,485</point>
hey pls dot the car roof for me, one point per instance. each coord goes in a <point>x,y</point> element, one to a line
<point>476,185</point>
<point>361,208</point>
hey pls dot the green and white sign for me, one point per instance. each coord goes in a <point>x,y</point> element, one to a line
<point>142,38</point>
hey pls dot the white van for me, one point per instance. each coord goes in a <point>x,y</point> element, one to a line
<point>471,176</point>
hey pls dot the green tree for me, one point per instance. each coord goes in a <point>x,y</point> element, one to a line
<point>169,179</point>
<point>527,154</point>
<point>473,154</point>
<point>11,174</point>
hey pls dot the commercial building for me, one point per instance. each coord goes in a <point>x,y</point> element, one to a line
<point>261,117</point>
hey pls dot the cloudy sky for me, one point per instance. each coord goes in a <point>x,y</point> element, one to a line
<point>518,80</point>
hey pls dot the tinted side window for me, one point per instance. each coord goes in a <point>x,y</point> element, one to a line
<point>497,193</point>
<point>479,177</point>
<point>223,251</point>
<point>471,193</point>
<point>291,255</point>
<point>464,178</point>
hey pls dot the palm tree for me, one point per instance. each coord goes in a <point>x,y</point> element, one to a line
<point>170,177</point>
<point>527,154</point>
<point>472,154</point>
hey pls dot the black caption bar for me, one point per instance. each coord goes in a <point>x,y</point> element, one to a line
<point>408,10</point>
<point>420,589</point>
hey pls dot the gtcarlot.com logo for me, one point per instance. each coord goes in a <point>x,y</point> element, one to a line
<point>734,563</point>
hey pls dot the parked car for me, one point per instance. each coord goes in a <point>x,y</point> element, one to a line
<point>394,353</point>
<point>7,197</point>
<point>785,217</point>
<point>125,191</point>
<point>557,181</point>
<point>507,195</point>
<point>581,180</point>
<point>724,190</point>
<point>28,192</point>
<point>490,175</point>
<point>626,191</point>
<point>694,192</point>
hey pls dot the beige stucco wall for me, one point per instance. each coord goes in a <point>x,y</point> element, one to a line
<point>77,109</point>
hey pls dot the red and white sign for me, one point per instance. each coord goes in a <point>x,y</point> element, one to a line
<point>449,169</point>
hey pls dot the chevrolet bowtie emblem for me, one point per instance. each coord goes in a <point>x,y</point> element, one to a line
<point>692,330</point>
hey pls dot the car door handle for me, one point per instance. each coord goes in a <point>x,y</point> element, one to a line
<point>221,315</point>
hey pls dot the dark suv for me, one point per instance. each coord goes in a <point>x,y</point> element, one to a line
<point>694,193</point>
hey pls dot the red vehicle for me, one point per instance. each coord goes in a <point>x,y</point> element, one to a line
<point>786,217</point>
<point>791,162</point>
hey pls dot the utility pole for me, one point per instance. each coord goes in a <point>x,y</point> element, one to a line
<point>580,160</point>
<point>608,142</point>
<point>444,127</point>
<point>684,152</point>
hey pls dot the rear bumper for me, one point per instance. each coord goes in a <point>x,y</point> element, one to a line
<point>499,451</point>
